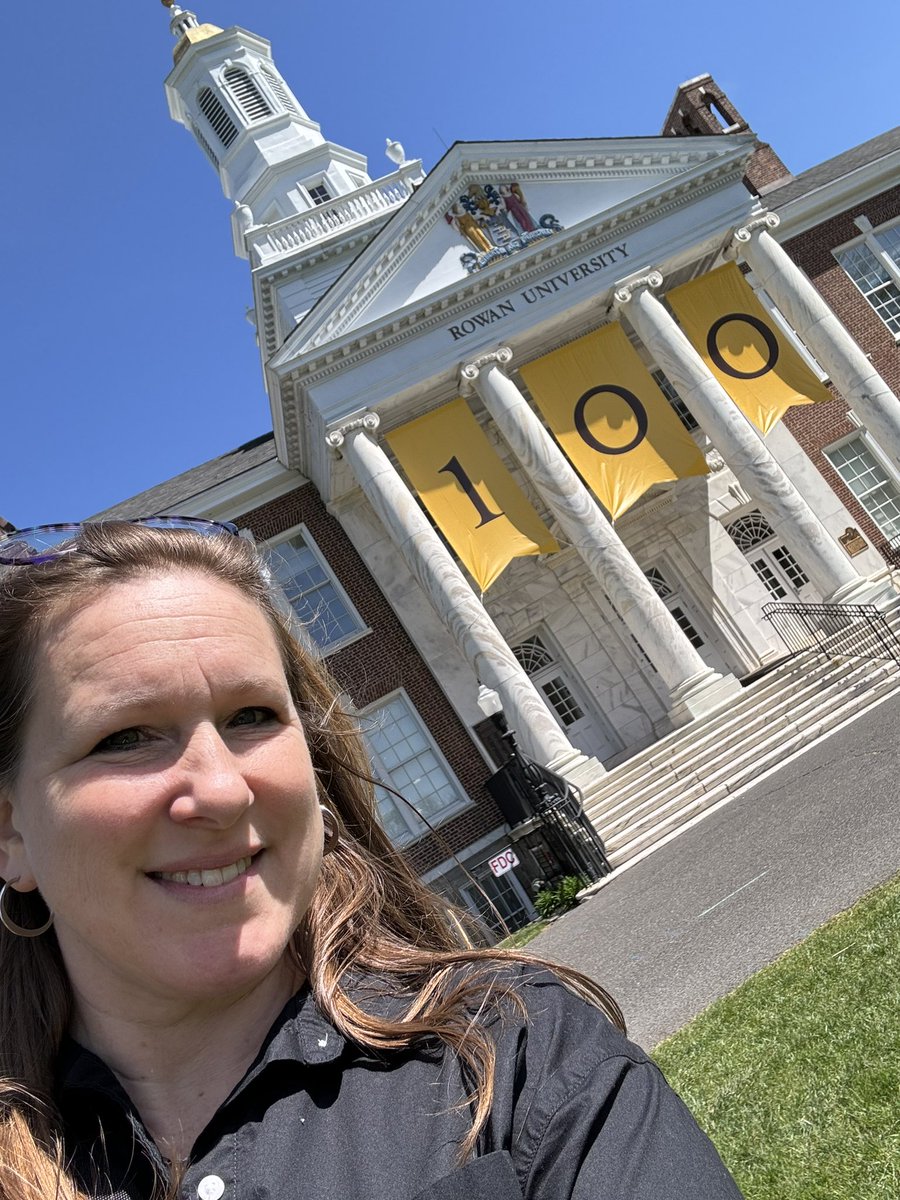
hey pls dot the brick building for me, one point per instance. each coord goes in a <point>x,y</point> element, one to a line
<point>410,291</point>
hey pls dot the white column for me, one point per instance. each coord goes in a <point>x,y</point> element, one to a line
<point>476,635</point>
<point>695,687</point>
<point>848,368</point>
<point>741,446</point>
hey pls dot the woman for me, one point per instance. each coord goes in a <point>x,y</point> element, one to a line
<point>218,977</point>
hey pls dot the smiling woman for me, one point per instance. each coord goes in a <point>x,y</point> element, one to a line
<point>217,976</point>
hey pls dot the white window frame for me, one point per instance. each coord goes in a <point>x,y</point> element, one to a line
<point>416,826</point>
<point>869,238</point>
<point>862,433</point>
<point>318,181</point>
<point>310,542</point>
<point>786,327</point>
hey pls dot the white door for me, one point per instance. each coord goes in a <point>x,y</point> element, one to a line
<point>583,728</point>
<point>773,564</point>
<point>685,620</point>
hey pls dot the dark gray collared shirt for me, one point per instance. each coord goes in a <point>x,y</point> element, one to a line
<point>579,1113</point>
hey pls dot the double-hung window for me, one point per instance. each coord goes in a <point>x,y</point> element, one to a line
<point>869,480</point>
<point>404,756</point>
<point>319,602</point>
<point>873,263</point>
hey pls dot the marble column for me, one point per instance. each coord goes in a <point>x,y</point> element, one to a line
<point>741,446</point>
<point>847,366</point>
<point>464,616</point>
<point>695,688</point>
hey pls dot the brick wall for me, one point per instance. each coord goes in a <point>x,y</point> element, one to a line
<point>818,425</point>
<point>384,660</point>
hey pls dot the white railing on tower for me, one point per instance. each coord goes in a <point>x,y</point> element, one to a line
<point>268,243</point>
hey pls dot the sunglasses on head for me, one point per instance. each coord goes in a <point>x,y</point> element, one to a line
<point>44,543</point>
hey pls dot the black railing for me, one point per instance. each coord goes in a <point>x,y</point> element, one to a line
<point>835,630</point>
<point>523,790</point>
<point>889,551</point>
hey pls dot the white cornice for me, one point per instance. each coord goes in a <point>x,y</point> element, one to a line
<point>387,333</point>
<point>818,205</point>
<point>259,485</point>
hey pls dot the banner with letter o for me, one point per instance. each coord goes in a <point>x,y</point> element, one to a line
<point>472,497</point>
<point>611,419</point>
<point>744,347</point>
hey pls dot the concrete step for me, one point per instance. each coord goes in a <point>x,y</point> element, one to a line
<point>680,751</point>
<point>695,758</point>
<point>635,830</point>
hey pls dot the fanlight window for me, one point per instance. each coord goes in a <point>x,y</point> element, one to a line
<point>532,655</point>
<point>223,126</point>
<point>250,99</point>
<point>276,83</point>
<point>750,531</point>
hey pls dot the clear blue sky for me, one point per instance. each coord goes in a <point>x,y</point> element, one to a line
<point>128,357</point>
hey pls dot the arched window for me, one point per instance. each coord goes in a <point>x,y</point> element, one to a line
<point>750,531</point>
<point>249,98</point>
<point>532,655</point>
<point>223,126</point>
<point>276,83</point>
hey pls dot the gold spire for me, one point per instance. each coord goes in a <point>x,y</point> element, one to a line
<point>186,28</point>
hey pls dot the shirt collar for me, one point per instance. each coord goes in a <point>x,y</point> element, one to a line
<point>300,1034</point>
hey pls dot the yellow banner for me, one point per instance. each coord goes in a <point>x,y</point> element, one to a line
<point>611,418</point>
<point>474,500</point>
<point>743,346</point>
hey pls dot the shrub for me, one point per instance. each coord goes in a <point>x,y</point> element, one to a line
<point>563,896</point>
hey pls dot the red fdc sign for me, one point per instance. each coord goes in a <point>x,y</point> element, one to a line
<point>503,862</point>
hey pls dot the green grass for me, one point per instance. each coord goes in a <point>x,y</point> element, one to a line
<point>796,1075</point>
<point>523,936</point>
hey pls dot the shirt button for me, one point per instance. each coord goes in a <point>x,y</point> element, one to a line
<point>211,1187</point>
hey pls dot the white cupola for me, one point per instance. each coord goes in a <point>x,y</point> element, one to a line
<point>272,160</point>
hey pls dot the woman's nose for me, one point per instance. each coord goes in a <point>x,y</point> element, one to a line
<point>211,787</point>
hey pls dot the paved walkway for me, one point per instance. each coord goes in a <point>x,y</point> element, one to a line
<point>695,919</point>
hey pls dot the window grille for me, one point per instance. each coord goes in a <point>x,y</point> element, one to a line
<point>750,531</point>
<point>279,90</point>
<point>222,125</point>
<point>682,412</point>
<point>533,655</point>
<point>869,482</point>
<point>873,266</point>
<point>664,590</point>
<point>314,593</point>
<point>406,758</point>
<point>246,93</point>
<point>319,193</point>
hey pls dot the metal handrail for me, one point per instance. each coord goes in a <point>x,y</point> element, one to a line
<point>835,630</point>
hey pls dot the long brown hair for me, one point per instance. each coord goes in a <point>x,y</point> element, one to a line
<point>370,916</point>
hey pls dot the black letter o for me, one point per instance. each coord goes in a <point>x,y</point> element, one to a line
<point>760,326</point>
<point>640,415</point>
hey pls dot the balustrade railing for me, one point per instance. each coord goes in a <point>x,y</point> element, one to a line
<point>835,630</point>
<point>271,242</point>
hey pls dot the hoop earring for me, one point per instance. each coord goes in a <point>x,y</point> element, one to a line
<point>13,926</point>
<point>332,837</point>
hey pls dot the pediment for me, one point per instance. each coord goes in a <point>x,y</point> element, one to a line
<point>487,207</point>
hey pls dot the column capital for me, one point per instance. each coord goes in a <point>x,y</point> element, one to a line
<point>469,372</point>
<point>365,422</point>
<point>626,288</point>
<point>766,220</point>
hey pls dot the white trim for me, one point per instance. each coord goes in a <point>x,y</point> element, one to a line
<point>251,489</point>
<point>310,542</point>
<point>869,239</point>
<point>464,800</point>
<point>833,198</point>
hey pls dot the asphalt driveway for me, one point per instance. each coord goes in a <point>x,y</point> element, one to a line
<point>695,919</point>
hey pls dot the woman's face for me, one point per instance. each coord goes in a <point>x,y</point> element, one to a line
<point>165,805</point>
